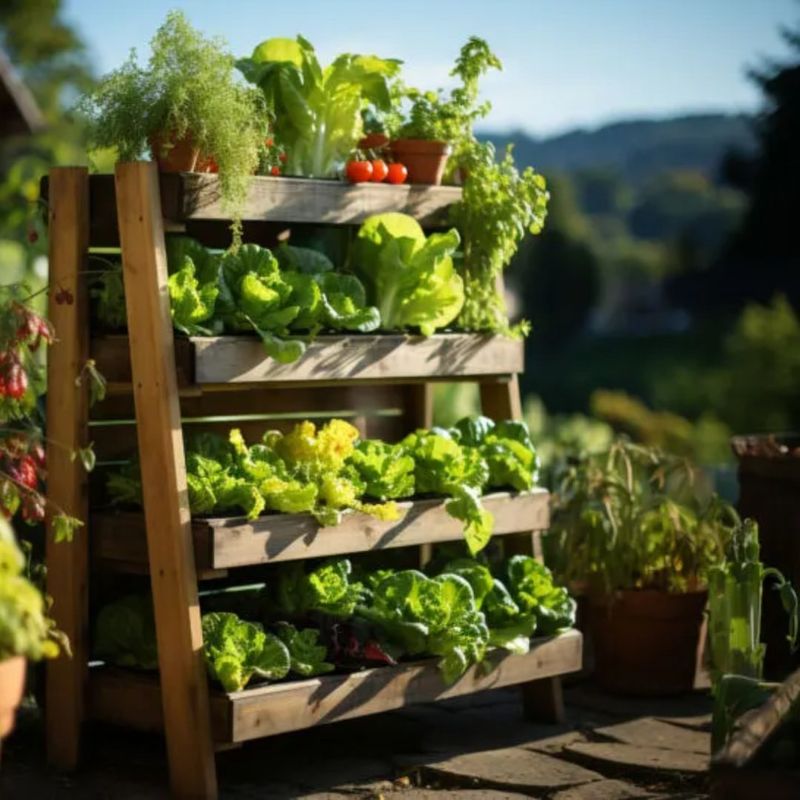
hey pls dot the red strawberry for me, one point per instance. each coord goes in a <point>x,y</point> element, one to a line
<point>16,382</point>
<point>25,472</point>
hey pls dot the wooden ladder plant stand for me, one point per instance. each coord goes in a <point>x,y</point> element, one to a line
<point>158,385</point>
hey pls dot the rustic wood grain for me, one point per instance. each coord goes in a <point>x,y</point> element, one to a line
<point>171,555</point>
<point>67,484</point>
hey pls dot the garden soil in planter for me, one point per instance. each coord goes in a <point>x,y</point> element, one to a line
<point>424,160</point>
<point>12,684</point>
<point>647,642</point>
<point>769,493</point>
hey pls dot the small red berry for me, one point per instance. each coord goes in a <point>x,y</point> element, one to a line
<point>26,472</point>
<point>276,171</point>
<point>268,142</point>
<point>16,382</point>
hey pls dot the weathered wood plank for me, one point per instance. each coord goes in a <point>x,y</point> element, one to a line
<point>235,542</point>
<point>329,359</point>
<point>119,696</point>
<point>170,549</point>
<point>320,201</point>
<point>67,485</point>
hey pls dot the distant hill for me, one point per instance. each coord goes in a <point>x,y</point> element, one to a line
<point>639,149</point>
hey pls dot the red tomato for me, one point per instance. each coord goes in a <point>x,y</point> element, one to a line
<point>397,173</point>
<point>268,142</point>
<point>358,171</point>
<point>276,171</point>
<point>379,170</point>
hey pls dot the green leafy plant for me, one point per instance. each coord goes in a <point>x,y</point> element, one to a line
<point>317,111</point>
<point>499,206</point>
<point>632,517</point>
<point>25,628</point>
<point>188,89</point>
<point>734,606</point>
<point>433,117</point>
<point>409,277</point>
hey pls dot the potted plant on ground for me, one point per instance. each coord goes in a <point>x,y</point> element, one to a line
<point>186,106</point>
<point>436,127</point>
<point>640,533</point>
<point>26,633</point>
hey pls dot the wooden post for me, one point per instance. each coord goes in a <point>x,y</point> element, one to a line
<point>67,483</point>
<point>184,686</point>
<point>542,699</point>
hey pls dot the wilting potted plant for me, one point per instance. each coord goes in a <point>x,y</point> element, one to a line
<point>639,532</point>
<point>26,633</point>
<point>186,106</point>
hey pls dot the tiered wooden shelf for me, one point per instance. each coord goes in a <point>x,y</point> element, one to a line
<point>162,385</point>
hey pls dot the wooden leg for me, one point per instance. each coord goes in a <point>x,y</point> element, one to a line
<point>67,485</point>
<point>184,686</point>
<point>543,699</point>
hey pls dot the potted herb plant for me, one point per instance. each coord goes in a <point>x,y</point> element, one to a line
<point>185,105</point>
<point>638,531</point>
<point>26,633</point>
<point>437,126</point>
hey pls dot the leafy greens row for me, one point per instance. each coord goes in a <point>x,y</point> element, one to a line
<point>329,471</point>
<point>312,620</point>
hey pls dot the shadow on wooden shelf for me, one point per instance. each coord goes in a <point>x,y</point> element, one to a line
<point>134,698</point>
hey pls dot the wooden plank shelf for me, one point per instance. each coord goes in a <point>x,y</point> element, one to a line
<point>208,360</point>
<point>134,699</point>
<point>194,198</point>
<point>118,538</point>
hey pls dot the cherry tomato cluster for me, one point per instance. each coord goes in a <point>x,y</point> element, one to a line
<point>272,158</point>
<point>369,162</point>
<point>22,468</point>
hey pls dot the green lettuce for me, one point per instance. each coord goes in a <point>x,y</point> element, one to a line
<point>327,588</point>
<point>191,303</point>
<point>306,654</point>
<point>409,277</point>
<point>317,111</point>
<point>236,651</point>
<point>125,633</point>
<point>531,585</point>
<point>386,470</point>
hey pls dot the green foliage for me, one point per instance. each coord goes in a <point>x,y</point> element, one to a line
<point>187,89</point>
<point>410,278</point>
<point>236,651</point>
<point>317,111</point>
<point>498,207</point>
<point>633,517</point>
<point>434,118</point>
<point>328,472</point>
<point>125,633</point>
<point>326,588</point>
<point>734,604</point>
<point>307,655</point>
<point>25,628</point>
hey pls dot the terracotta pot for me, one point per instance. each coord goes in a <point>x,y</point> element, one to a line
<point>12,684</point>
<point>180,156</point>
<point>424,160</point>
<point>647,642</point>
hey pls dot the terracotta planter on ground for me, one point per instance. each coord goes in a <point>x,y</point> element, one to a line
<point>180,156</point>
<point>424,160</point>
<point>647,642</point>
<point>12,684</point>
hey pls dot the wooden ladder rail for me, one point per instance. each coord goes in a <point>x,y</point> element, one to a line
<point>67,483</point>
<point>541,699</point>
<point>173,576</point>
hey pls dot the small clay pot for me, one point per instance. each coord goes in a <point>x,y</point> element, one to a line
<point>12,684</point>
<point>646,641</point>
<point>180,156</point>
<point>424,160</point>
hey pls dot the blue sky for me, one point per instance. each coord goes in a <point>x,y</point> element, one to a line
<point>567,63</point>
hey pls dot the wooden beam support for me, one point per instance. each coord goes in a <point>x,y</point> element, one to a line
<point>67,484</point>
<point>172,568</point>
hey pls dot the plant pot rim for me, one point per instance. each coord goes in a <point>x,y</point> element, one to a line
<point>602,598</point>
<point>437,146</point>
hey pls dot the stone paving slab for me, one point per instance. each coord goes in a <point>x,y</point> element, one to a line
<point>586,697</point>
<point>511,768</point>
<point>604,790</point>
<point>642,759</point>
<point>656,733</point>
